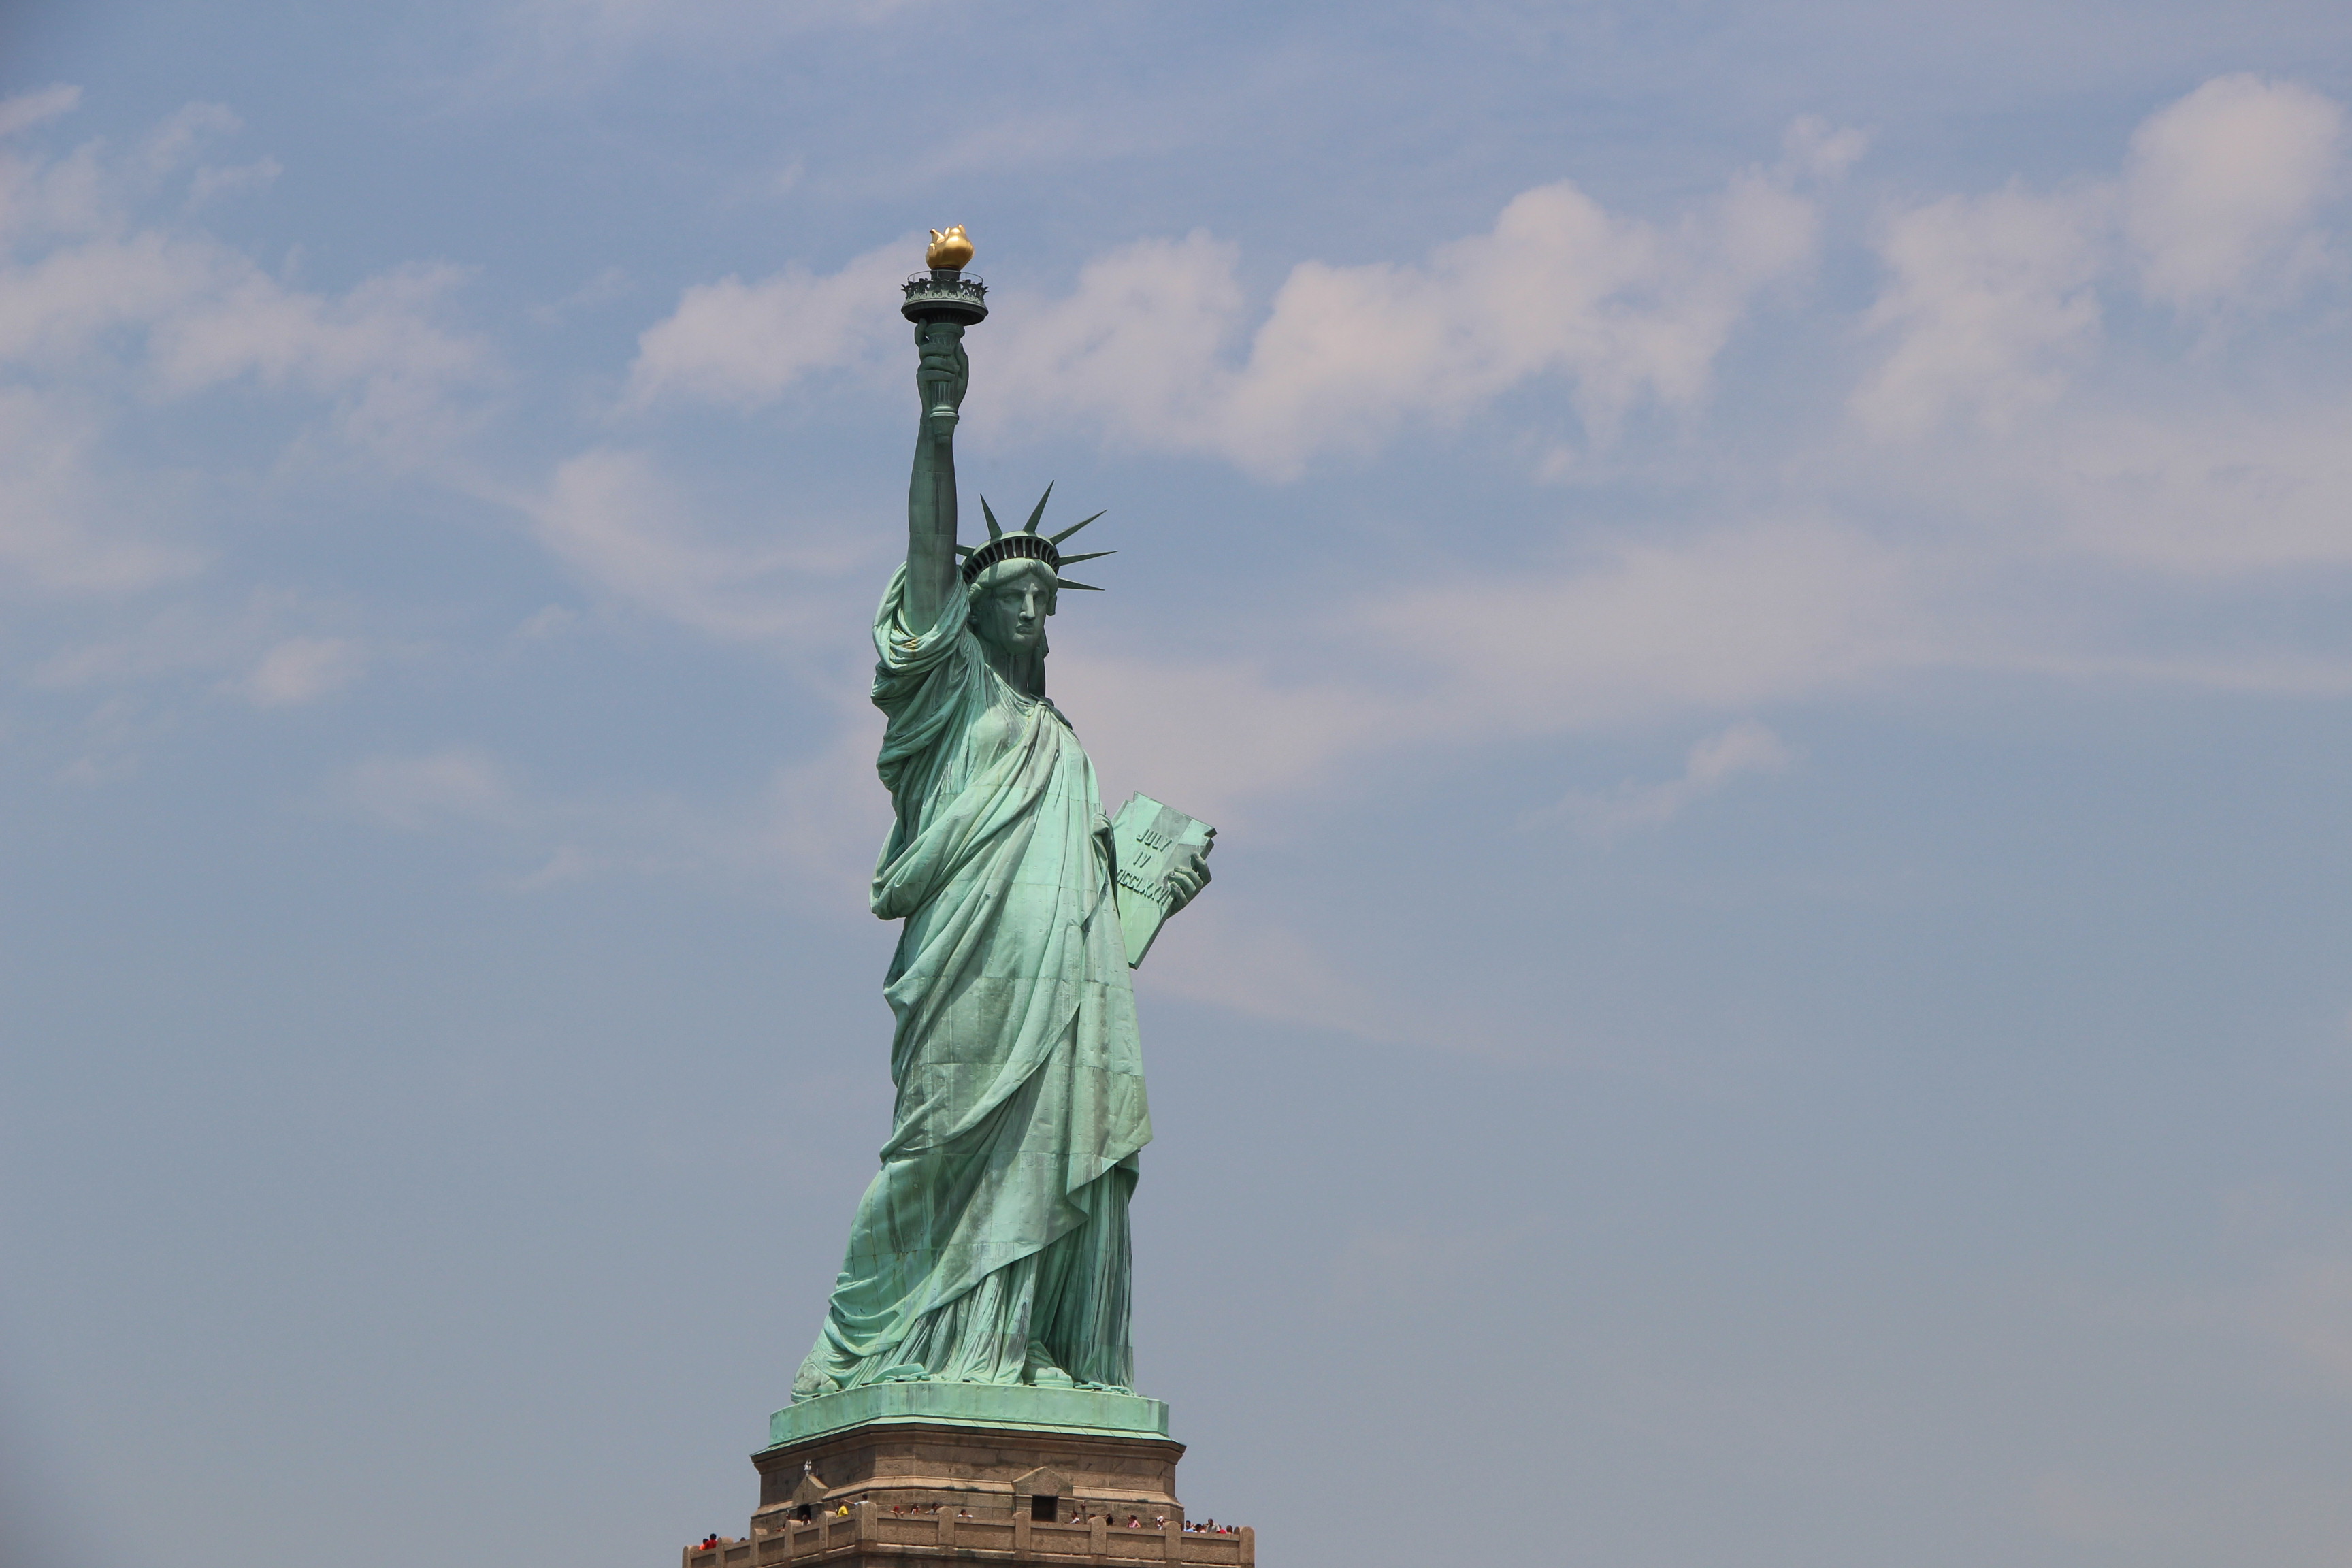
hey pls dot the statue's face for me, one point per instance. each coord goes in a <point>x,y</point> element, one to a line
<point>1010,613</point>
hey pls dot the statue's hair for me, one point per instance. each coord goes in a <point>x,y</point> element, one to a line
<point>1000,572</point>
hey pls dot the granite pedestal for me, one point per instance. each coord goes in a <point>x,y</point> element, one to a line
<point>1010,1475</point>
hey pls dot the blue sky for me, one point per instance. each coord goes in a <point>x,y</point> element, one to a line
<point>1758,593</point>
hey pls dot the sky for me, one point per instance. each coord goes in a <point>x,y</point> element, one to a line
<point>1760,596</point>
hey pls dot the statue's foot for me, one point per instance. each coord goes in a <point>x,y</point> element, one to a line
<point>812,1381</point>
<point>1040,1370</point>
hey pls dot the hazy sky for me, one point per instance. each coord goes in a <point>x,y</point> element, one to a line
<point>1758,594</point>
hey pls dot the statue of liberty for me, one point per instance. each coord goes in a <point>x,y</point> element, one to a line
<point>991,1247</point>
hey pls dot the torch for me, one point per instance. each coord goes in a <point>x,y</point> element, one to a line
<point>944,294</point>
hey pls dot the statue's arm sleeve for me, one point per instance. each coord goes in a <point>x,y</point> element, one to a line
<point>919,678</point>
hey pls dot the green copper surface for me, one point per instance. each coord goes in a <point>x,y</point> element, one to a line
<point>990,1251</point>
<point>969,1404</point>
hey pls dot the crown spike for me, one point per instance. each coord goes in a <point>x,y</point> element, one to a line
<point>993,531</point>
<point>1069,530</point>
<point>1031,526</point>
<point>1089,555</point>
<point>1065,583</point>
<point>964,549</point>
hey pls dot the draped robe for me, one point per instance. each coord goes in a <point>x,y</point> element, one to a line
<point>993,1244</point>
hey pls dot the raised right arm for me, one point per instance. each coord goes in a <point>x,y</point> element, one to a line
<point>932,578</point>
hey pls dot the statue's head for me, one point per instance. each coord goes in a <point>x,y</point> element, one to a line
<point>1010,600</point>
<point>1012,580</point>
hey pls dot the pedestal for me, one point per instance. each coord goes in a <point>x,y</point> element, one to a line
<point>1009,1474</point>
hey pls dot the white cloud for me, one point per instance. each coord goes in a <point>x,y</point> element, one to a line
<point>212,181</point>
<point>463,782</point>
<point>302,670</point>
<point>1626,311</point>
<point>2216,489</point>
<point>809,832</point>
<point>176,140</point>
<point>96,300</point>
<point>57,311</point>
<point>567,865</point>
<point>1745,747</point>
<point>1746,615</point>
<point>2270,1517</point>
<point>376,350</point>
<point>1216,956</point>
<point>2222,187</point>
<point>1990,301</point>
<point>2027,430</point>
<point>609,284</point>
<point>196,315</point>
<point>548,622</point>
<point>1815,147</point>
<point>821,821</point>
<point>744,343</point>
<point>2307,1308</point>
<point>252,652</point>
<point>61,518</point>
<point>30,109</point>
<point>199,312</point>
<point>1629,312</point>
<point>617,523</point>
<point>111,736</point>
<point>1148,327</point>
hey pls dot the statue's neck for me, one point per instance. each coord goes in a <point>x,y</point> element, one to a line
<point>1023,668</point>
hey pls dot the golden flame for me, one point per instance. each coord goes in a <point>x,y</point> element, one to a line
<point>949,247</point>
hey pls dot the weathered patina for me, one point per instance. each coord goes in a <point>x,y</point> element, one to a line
<point>991,1247</point>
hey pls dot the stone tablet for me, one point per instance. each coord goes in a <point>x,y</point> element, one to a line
<point>1150,840</point>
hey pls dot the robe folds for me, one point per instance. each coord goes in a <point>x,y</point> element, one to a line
<point>993,1244</point>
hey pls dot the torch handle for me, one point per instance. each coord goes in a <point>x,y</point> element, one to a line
<point>938,391</point>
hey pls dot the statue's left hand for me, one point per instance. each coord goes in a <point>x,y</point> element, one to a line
<point>942,375</point>
<point>1185,882</point>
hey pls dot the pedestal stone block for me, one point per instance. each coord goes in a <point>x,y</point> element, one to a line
<point>1010,1475</point>
<point>970,1404</point>
<point>869,1537</point>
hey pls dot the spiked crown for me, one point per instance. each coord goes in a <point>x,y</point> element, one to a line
<point>1025,543</point>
